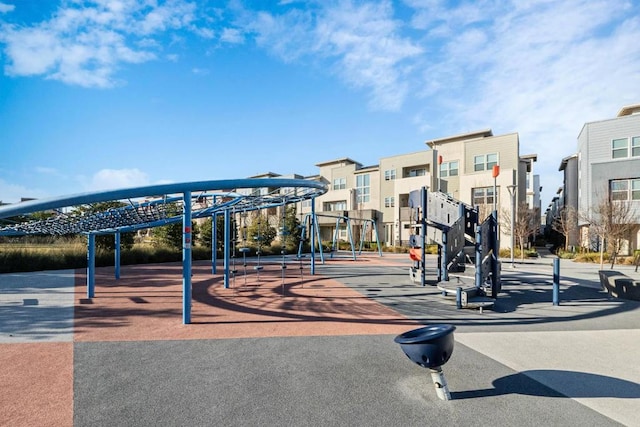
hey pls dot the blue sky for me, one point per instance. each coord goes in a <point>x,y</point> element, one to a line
<point>113,93</point>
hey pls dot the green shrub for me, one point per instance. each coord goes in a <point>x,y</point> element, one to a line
<point>59,257</point>
<point>566,254</point>
<point>591,257</point>
<point>528,253</point>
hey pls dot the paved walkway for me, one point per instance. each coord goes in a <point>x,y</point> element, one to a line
<point>312,350</point>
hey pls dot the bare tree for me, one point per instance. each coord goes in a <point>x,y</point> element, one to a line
<point>524,225</point>
<point>611,221</point>
<point>484,210</point>
<point>566,223</point>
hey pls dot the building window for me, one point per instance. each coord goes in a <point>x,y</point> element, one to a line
<point>482,196</point>
<point>625,189</point>
<point>492,160</point>
<point>448,169</point>
<point>340,183</point>
<point>336,206</point>
<point>620,148</point>
<point>417,172</point>
<point>389,174</point>
<point>389,202</point>
<point>362,188</point>
<point>635,146</point>
<point>306,203</point>
<point>485,162</point>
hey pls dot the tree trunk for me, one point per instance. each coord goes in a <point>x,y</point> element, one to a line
<point>613,259</point>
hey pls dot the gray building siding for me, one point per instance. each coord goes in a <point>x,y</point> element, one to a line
<point>595,147</point>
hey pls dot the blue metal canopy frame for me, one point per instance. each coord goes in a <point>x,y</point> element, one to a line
<point>147,207</point>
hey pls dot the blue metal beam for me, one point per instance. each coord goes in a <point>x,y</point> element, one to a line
<point>116,260</point>
<point>186,259</point>
<point>227,246</point>
<point>91,265</point>
<point>175,188</point>
<point>214,243</point>
<point>313,238</point>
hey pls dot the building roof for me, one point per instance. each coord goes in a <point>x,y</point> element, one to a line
<point>367,168</point>
<point>563,163</point>
<point>484,133</point>
<point>340,160</point>
<point>266,175</point>
<point>629,110</point>
<point>533,157</point>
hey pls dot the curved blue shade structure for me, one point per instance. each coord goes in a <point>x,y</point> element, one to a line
<point>147,206</point>
<point>153,206</point>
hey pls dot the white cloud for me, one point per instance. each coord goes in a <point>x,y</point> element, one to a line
<point>541,69</point>
<point>108,179</point>
<point>232,35</point>
<point>44,170</point>
<point>86,46</point>
<point>364,42</point>
<point>200,71</point>
<point>12,193</point>
<point>4,7</point>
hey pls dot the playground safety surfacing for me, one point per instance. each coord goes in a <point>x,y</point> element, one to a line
<point>315,351</point>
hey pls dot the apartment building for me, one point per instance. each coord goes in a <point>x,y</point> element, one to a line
<point>354,193</point>
<point>381,192</point>
<point>466,173</point>
<point>607,164</point>
<point>399,176</point>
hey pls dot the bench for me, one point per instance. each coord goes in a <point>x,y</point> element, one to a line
<point>619,285</point>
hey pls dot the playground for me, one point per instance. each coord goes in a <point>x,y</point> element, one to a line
<point>321,353</point>
<point>294,340</point>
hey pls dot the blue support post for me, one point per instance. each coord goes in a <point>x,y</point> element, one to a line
<point>227,246</point>
<point>445,261</point>
<point>186,259</point>
<point>365,224</point>
<point>214,243</point>
<point>116,260</point>
<point>556,281</point>
<point>458,297</point>
<point>375,230</point>
<point>91,265</point>
<point>313,238</point>
<point>478,256</point>
<point>495,248</point>
<point>303,229</point>
<point>334,243</point>
<point>318,239</point>
<point>423,260</point>
<point>350,234</point>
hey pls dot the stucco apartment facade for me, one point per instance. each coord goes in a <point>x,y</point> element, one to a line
<point>466,173</point>
<point>381,192</point>
<point>607,164</point>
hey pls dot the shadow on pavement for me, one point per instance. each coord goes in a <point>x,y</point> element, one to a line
<point>574,385</point>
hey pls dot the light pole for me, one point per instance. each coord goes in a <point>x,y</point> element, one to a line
<point>439,173</point>
<point>512,193</point>
<point>495,172</point>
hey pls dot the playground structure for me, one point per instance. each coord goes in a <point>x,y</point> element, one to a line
<point>463,244</point>
<point>309,227</point>
<point>158,205</point>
